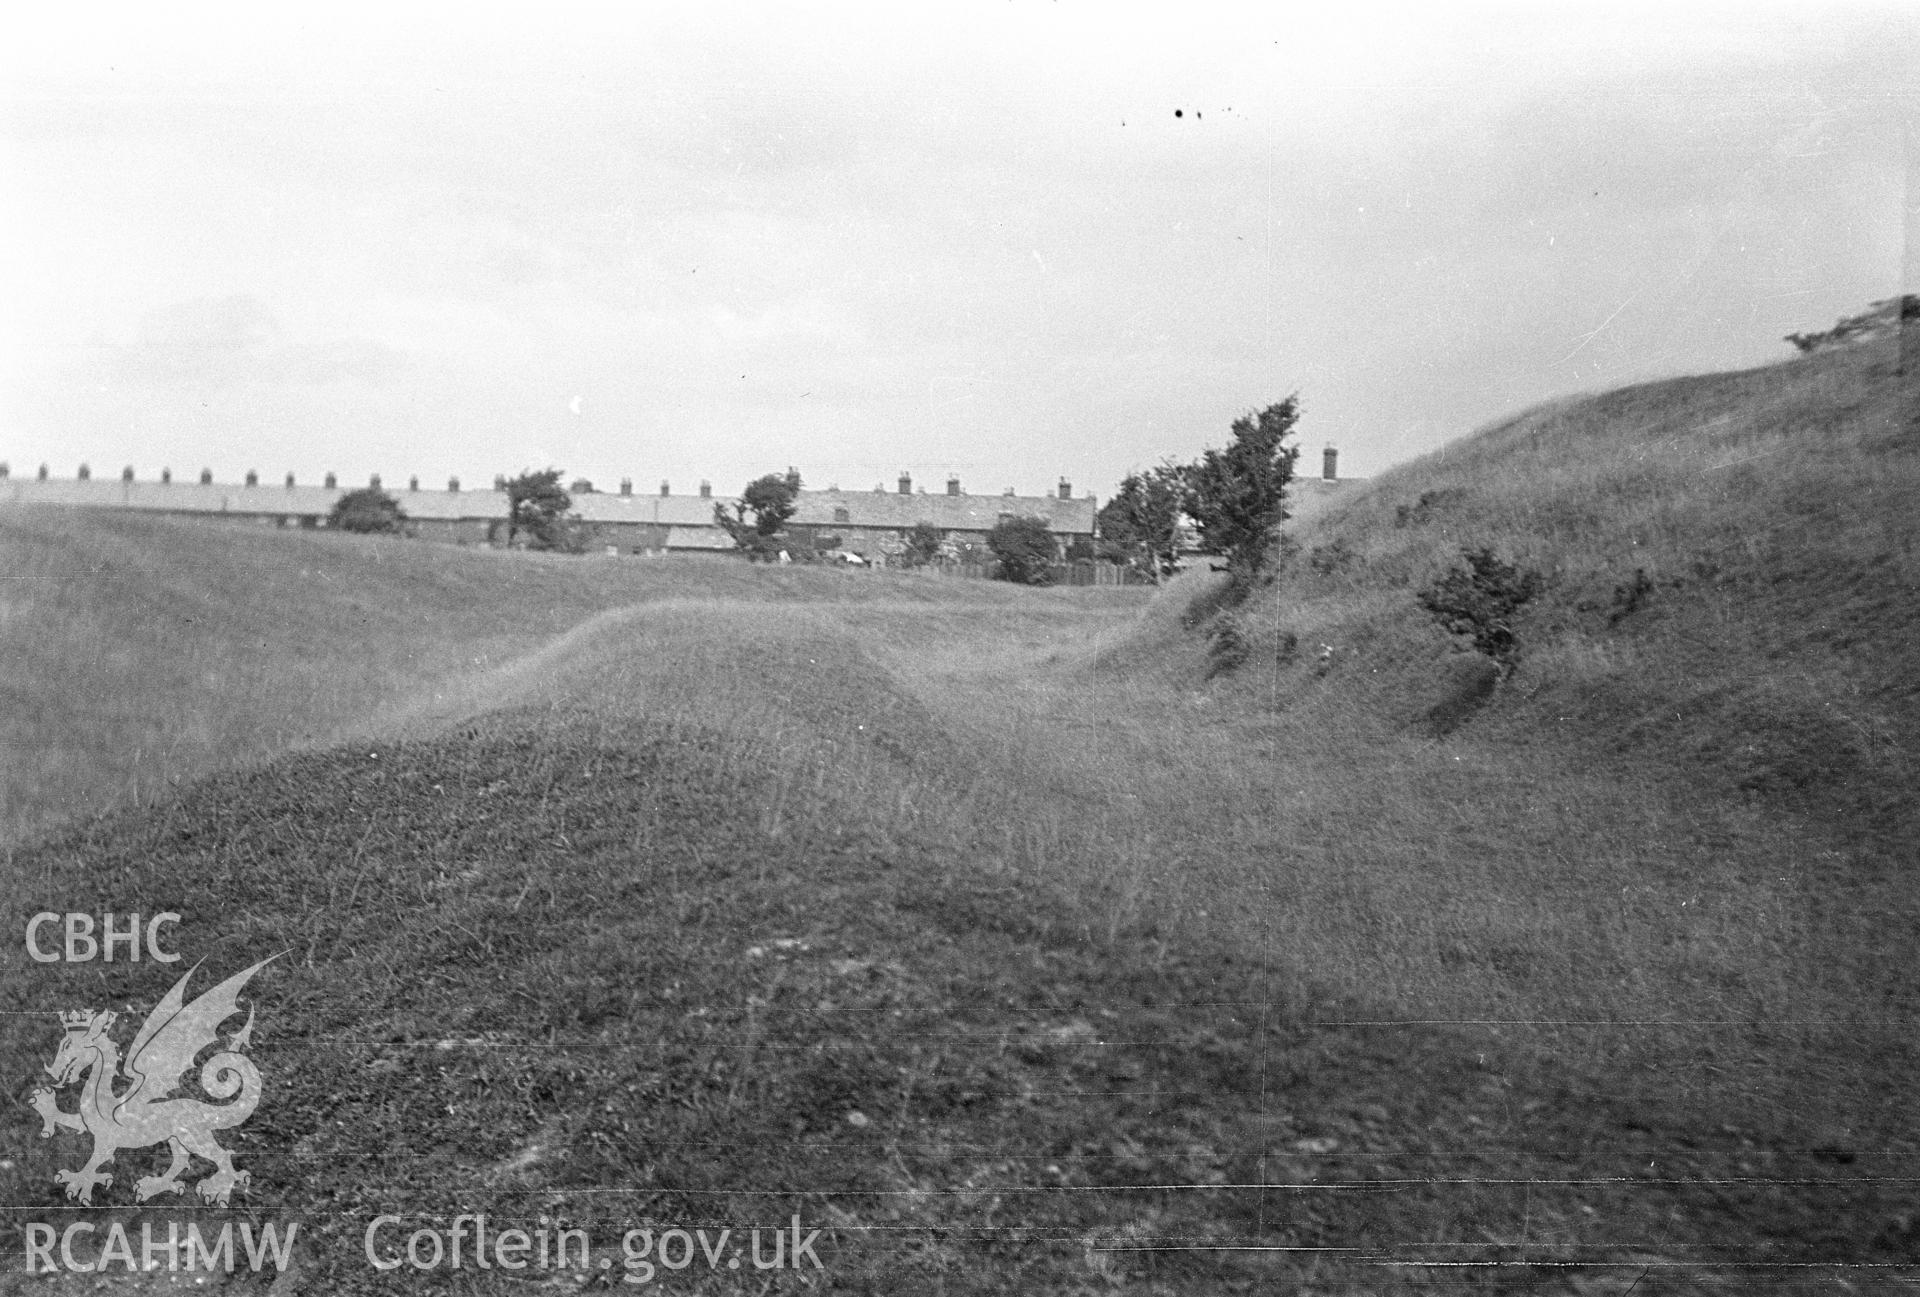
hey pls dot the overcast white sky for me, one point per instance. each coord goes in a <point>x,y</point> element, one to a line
<point>1011,241</point>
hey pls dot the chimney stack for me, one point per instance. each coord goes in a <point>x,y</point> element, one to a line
<point>1066,489</point>
<point>206,477</point>
<point>289,481</point>
<point>374,482</point>
<point>906,484</point>
<point>626,486</point>
<point>499,481</point>
<point>664,490</point>
<point>333,483</point>
<point>706,490</point>
<point>453,486</point>
<point>953,484</point>
<point>166,476</point>
<point>85,472</point>
<point>1329,458</point>
<point>126,474</point>
<point>253,477</point>
<point>43,472</point>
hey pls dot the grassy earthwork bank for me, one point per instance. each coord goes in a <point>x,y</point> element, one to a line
<point>1033,940</point>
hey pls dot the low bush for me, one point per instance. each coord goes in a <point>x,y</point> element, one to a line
<point>1480,601</point>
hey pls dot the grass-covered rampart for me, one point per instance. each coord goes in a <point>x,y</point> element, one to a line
<point>1138,974</point>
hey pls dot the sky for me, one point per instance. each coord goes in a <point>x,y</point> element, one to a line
<point>1006,241</point>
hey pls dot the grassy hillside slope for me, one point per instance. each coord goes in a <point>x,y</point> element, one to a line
<point>987,932</point>
<point>144,651</point>
<point>1679,836</point>
<point>732,912</point>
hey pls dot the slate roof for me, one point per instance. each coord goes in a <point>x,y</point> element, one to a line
<point>816,508</point>
<point>948,512</point>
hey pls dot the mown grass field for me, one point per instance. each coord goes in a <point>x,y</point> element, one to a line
<point>983,931</point>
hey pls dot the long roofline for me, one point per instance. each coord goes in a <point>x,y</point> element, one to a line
<point>816,508</point>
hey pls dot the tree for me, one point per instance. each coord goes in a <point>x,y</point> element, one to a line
<point>761,514</point>
<point>1025,548</point>
<point>368,510</point>
<point>538,506</point>
<point>1141,524</point>
<point>923,544</point>
<point>1237,496</point>
<point>1481,601</point>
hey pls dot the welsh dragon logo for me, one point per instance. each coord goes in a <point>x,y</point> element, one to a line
<point>174,1034</point>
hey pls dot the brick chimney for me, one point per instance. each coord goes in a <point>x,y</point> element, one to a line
<point>664,489</point>
<point>253,477</point>
<point>953,485</point>
<point>906,484</point>
<point>85,472</point>
<point>126,474</point>
<point>374,482</point>
<point>1066,489</point>
<point>413,483</point>
<point>1329,461</point>
<point>206,477</point>
<point>166,476</point>
<point>332,482</point>
<point>289,481</point>
<point>706,490</point>
<point>453,486</point>
<point>626,486</point>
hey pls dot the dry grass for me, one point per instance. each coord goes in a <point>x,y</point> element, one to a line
<point>1668,857</point>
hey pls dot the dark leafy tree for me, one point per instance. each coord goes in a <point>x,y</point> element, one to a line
<point>368,510</point>
<point>1237,496</point>
<point>760,516</point>
<point>537,506</point>
<point>923,544</point>
<point>1025,548</point>
<point>1480,601</point>
<point>1140,525</point>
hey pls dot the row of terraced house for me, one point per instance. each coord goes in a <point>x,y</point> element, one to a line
<point>872,524</point>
